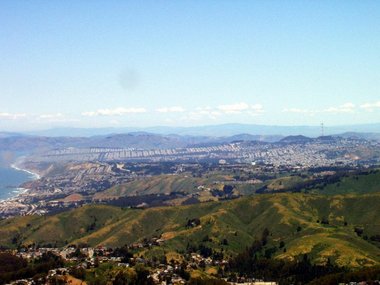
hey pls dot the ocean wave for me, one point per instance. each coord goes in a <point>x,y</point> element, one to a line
<point>34,175</point>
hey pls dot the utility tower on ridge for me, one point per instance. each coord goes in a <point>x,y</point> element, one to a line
<point>322,129</point>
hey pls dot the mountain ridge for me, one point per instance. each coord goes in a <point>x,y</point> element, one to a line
<point>216,130</point>
<point>146,140</point>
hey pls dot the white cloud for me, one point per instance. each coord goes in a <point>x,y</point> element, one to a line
<point>12,116</point>
<point>344,108</point>
<point>173,109</point>
<point>298,111</point>
<point>206,111</point>
<point>233,108</point>
<point>201,113</point>
<point>241,107</point>
<point>370,107</point>
<point>51,116</point>
<point>114,112</point>
<point>256,109</point>
<point>213,113</point>
<point>54,118</point>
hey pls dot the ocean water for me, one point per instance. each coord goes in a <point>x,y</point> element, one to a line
<point>10,180</point>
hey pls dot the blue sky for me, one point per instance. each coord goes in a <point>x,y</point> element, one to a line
<point>183,63</point>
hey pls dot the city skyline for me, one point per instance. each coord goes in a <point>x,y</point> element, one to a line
<point>125,64</point>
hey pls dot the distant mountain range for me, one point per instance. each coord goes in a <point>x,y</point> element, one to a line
<point>165,137</point>
<point>367,136</point>
<point>140,140</point>
<point>9,134</point>
<point>217,130</point>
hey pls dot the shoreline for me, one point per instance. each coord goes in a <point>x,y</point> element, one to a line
<point>17,191</point>
<point>33,174</point>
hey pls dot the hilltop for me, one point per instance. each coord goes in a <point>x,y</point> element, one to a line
<point>296,139</point>
<point>340,228</point>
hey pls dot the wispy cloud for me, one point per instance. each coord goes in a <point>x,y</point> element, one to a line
<point>201,114</point>
<point>236,108</point>
<point>370,107</point>
<point>120,111</point>
<point>344,108</point>
<point>55,118</point>
<point>51,116</point>
<point>213,113</point>
<point>173,109</point>
<point>207,111</point>
<point>241,107</point>
<point>12,116</point>
<point>297,111</point>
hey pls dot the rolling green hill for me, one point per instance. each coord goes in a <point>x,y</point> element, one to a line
<point>321,226</point>
<point>163,184</point>
<point>160,184</point>
<point>368,182</point>
<point>364,182</point>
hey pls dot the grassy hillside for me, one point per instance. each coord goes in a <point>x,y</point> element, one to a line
<point>354,183</point>
<point>286,182</point>
<point>298,220</point>
<point>350,183</point>
<point>162,184</point>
